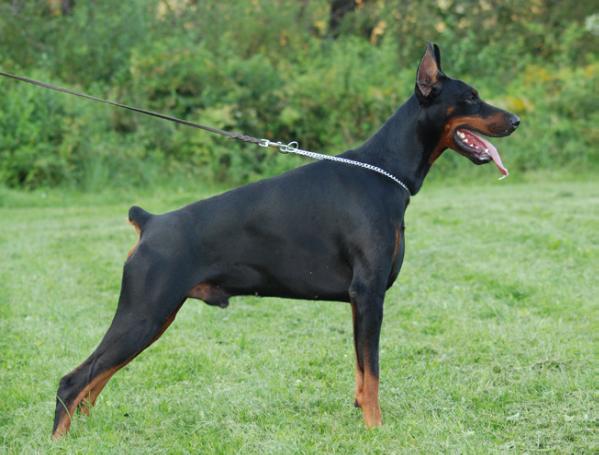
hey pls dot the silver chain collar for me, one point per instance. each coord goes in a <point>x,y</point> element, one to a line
<point>293,147</point>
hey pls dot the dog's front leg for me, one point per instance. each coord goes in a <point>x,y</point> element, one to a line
<point>367,309</point>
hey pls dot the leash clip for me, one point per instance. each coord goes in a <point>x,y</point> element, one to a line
<point>283,148</point>
<point>290,147</point>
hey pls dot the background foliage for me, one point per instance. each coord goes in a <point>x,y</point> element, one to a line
<point>324,72</point>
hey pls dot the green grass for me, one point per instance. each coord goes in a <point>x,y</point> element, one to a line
<point>489,341</point>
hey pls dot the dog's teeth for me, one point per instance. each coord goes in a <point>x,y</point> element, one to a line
<point>486,150</point>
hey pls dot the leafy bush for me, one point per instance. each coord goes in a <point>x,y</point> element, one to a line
<point>32,147</point>
<point>275,70</point>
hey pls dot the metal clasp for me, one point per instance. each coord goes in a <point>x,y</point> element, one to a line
<point>290,147</point>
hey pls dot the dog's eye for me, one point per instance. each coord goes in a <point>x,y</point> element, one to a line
<point>472,97</point>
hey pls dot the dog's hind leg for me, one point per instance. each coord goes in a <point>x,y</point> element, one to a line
<point>90,399</point>
<point>147,306</point>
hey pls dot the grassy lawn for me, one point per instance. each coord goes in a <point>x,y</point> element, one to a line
<point>489,341</point>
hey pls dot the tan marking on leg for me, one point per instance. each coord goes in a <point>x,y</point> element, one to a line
<point>370,397</point>
<point>65,422</point>
<point>91,391</point>
<point>90,400</point>
<point>359,373</point>
<point>359,386</point>
<point>166,325</point>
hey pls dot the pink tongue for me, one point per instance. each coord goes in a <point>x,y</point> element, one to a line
<point>494,154</point>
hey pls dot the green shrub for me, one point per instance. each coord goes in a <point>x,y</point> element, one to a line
<point>275,72</point>
<point>32,123</point>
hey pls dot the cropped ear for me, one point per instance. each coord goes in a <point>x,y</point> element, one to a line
<point>429,72</point>
<point>437,52</point>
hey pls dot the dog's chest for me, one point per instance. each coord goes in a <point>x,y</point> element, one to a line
<point>398,254</point>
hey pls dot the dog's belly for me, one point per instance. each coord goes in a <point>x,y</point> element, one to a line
<point>281,256</point>
<point>324,280</point>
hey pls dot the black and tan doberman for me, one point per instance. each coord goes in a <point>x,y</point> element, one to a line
<point>324,231</point>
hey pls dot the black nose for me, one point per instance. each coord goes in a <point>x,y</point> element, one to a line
<point>515,121</point>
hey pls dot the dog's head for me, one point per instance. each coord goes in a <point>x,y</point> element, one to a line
<point>455,109</point>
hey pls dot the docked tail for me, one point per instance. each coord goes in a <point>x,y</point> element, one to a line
<point>139,217</point>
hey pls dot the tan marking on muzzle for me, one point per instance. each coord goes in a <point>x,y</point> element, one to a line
<point>489,126</point>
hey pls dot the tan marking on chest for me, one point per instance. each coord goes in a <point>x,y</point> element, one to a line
<point>397,245</point>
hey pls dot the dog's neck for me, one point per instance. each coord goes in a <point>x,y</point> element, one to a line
<point>401,146</point>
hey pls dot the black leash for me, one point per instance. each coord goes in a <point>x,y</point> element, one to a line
<point>292,147</point>
<point>229,134</point>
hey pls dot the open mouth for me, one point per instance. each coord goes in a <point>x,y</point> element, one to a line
<point>478,149</point>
